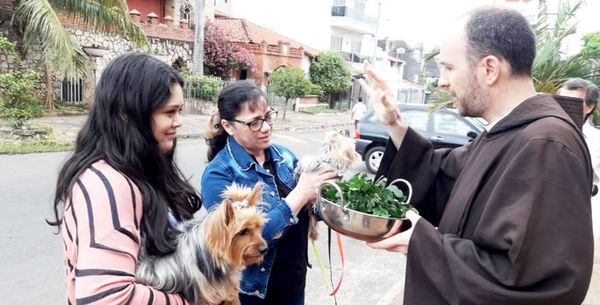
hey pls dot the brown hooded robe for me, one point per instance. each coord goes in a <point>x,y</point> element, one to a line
<point>512,211</point>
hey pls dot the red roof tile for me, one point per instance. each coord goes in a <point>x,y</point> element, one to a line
<point>242,30</point>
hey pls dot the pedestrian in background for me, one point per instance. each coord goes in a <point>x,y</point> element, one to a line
<point>121,185</point>
<point>505,219</point>
<point>589,93</point>
<point>359,110</point>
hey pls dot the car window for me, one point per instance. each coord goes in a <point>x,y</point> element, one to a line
<point>371,118</point>
<point>416,119</point>
<point>447,123</point>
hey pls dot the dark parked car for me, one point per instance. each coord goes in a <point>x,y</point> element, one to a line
<point>445,128</point>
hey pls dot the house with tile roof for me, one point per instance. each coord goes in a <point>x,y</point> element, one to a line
<point>169,26</point>
<point>270,49</point>
<point>348,27</point>
<point>168,30</point>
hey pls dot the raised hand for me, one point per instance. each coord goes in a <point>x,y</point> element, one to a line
<point>384,105</point>
<point>381,96</point>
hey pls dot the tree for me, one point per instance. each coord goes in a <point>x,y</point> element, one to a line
<point>220,55</point>
<point>38,25</point>
<point>198,62</point>
<point>551,68</point>
<point>217,50</point>
<point>242,59</point>
<point>591,44</point>
<point>331,72</point>
<point>289,82</point>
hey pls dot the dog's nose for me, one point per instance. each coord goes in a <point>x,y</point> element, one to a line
<point>263,249</point>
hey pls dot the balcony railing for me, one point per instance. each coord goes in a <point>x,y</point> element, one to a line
<point>346,11</point>
<point>353,57</point>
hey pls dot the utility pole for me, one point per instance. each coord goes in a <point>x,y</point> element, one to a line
<point>376,31</point>
<point>198,57</point>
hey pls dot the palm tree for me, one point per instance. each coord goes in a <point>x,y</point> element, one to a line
<point>39,26</point>
<point>551,68</point>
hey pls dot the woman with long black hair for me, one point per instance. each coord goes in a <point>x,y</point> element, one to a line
<point>121,184</point>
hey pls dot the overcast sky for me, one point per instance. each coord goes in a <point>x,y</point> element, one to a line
<point>423,20</point>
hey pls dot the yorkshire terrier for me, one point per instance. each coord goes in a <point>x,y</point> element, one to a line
<point>212,251</point>
<point>338,151</point>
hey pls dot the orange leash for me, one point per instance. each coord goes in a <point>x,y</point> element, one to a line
<point>341,251</point>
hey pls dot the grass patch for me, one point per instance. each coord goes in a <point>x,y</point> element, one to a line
<point>12,147</point>
<point>317,109</point>
<point>33,145</point>
<point>64,108</point>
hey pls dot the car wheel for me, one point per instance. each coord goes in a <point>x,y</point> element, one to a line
<point>373,158</point>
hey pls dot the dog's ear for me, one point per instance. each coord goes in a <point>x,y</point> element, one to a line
<point>255,196</point>
<point>229,213</point>
<point>219,229</point>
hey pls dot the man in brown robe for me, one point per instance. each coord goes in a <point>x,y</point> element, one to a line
<point>505,219</point>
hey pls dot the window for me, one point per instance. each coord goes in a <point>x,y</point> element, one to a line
<point>416,119</point>
<point>72,90</point>
<point>336,43</point>
<point>359,5</point>
<point>339,2</point>
<point>355,46</point>
<point>244,74</point>
<point>447,123</point>
<point>186,12</point>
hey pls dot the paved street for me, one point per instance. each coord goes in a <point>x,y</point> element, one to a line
<point>31,257</point>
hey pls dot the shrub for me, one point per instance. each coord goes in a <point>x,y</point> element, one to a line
<point>314,89</point>
<point>206,87</point>
<point>289,82</point>
<point>18,99</point>
<point>331,72</point>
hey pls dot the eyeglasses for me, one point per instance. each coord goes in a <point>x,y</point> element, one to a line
<point>256,125</point>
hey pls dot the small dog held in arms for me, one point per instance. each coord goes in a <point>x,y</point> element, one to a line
<point>211,251</point>
<point>338,151</point>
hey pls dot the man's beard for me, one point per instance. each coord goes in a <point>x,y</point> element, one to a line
<point>474,102</point>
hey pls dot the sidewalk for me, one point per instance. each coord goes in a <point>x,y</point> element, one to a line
<point>67,127</point>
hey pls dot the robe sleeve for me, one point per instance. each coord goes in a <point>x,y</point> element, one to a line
<point>432,172</point>
<point>533,244</point>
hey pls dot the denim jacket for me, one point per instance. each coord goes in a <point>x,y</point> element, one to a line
<point>234,164</point>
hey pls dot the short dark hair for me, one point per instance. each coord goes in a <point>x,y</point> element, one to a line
<point>592,92</point>
<point>504,33</point>
<point>229,104</point>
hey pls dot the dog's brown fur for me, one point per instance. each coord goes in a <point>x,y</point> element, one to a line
<point>211,252</point>
<point>338,151</point>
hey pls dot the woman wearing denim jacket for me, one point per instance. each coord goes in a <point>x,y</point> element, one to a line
<point>240,151</point>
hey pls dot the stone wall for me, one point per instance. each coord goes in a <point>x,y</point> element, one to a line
<point>169,51</point>
<point>171,43</point>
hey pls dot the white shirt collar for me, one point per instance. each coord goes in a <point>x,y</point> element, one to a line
<point>491,125</point>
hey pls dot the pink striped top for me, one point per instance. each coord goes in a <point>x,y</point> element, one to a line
<point>101,233</point>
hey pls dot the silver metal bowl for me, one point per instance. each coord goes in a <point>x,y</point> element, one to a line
<point>358,225</point>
